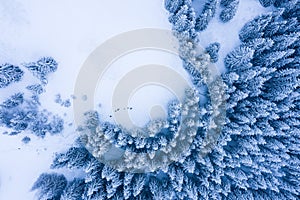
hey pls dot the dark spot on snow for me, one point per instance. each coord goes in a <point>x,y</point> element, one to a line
<point>84,98</point>
<point>26,140</point>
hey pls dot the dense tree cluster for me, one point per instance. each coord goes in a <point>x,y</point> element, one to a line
<point>207,14</point>
<point>229,9</point>
<point>144,149</point>
<point>153,136</point>
<point>182,16</point>
<point>257,155</point>
<point>9,74</point>
<point>19,114</point>
<point>42,68</point>
<point>50,186</point>
<point>263,109</point>
<point>22,111</point>
<point>213,50</point>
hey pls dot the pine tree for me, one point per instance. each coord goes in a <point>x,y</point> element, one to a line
<point>182,22</point>
<point>127,189</point>
<point>239,58</point>
<point>138,184</point>
<point>50,186</point>
<point>283,42</point>
<point>259,45</point>
<point>95,190</point>
<point>266,3</point>
<point>9,74</point>
<point>42,68</point>
<point>75,157</point>
<point>13,101</point>
<point>255,28</point>
<point>73,190</point>
<point>173,5</point>
<point>229,11</point>
<point>156,189</point>
<point>213,50</point>
<point>206,16</point>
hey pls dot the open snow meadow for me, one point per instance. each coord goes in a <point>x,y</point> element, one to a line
<point>149,99</point>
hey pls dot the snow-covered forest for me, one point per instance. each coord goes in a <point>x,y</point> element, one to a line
<point>235,134</point>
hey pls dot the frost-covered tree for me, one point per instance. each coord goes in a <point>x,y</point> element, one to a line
<point>9,74</point>
<point>156,134</point>
<point>239,58</point>
<point>267,3</point>
<point>95,189</point>
<point>42,68</point>
<point>208,12</point>
<point>42,124</point>
<point>50,186</point>
<point>213,50</point>
<point>56,125</point>
<point>73,190</point>
<point>156,189</point>
<point>75,157</point>
<point>259,45</point>
<point>14,101</point>
<point>138,183</point>
<point>287,4</point>
<point>229,10</point>
<point>284,41</point>
<point>255,28</point>
<point>184,20</point>
<point>173,5</point>
<point>127,190</point>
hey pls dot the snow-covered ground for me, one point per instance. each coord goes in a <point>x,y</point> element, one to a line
<point>69,31</point>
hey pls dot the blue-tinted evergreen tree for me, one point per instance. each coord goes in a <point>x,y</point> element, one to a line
<point>42,68</point>
<point>138,184</point>
<point>74,190</point>
<point>14,101</point>
<point>213,50</point>
<point>184,20</point>
<point>239,59</point>
<point>255,28</point>
<point>208,12</point>
<point>75,157</point>
<point>229,10</point>
<point>266,3</point>
<point>173,5</point>
<point>9,74</point>
<point>285,41</point>
<point>50,186</point>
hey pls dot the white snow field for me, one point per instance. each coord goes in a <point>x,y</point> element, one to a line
<point>69,31</point>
